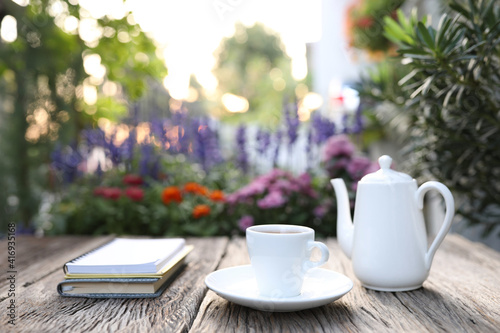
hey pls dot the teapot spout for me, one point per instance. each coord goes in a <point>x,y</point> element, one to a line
<point>345,227</point>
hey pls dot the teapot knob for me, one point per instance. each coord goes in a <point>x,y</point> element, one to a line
<point>385,162</point>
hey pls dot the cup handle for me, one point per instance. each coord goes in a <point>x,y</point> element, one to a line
<point>450,211</point>
<point>325,254</point>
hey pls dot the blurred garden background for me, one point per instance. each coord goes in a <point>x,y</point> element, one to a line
<point>201,118</point>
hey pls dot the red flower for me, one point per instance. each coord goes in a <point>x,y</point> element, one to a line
<point>365,22</point>
<point>134,193</point>
<point>99,191</point>
<point>200,211</point>
<point>195,188</point>
<point>217,195</point>
<point>132,180</point>
<point>113,193</point>
<point>171,193</point>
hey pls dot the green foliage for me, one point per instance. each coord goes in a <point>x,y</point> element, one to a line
<point>41,79</point>
<point>365,21</point>
<point>253,64</point>
<point>452,94</point>
<point>99,203</point>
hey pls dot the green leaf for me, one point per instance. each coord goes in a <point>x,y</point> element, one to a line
<point>413,50</point>
<point>455,43</point>
<point>420,56</point>
<point>473,47</point>
<point>404,22</point>
<point>473,9</point>
<point>459,9</point>
<point>444,24</point>
<point>486,9</point>
<point>408,77</point>
<point>423,88</point>
<point>448,95</point>
<point>425,36</point>
<point>395,31</point>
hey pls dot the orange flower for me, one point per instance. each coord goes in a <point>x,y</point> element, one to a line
<point>171,193</point>
<point>195,188</point>
<point>200,211</point>
<point>217,195</point>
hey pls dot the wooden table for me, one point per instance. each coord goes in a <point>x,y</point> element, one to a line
<point>462,294</point>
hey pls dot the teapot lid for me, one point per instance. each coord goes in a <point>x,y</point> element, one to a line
<point>386,174</point>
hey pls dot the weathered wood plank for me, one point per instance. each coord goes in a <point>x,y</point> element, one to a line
<point>461,295</point>
<point>39,257</point>
<point>41,309</point>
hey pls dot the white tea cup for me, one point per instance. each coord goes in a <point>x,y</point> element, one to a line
<point>280,255</point>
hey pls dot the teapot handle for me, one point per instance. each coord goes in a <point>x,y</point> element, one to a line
<point>450,211</point>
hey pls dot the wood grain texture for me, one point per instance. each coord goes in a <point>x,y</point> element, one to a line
<point>41,309</point>
<point>460,295</point>
<point>39,257</point>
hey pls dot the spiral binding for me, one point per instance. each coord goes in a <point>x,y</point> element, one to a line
<point>65,268</point>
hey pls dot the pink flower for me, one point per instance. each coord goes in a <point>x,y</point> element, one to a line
<point>245,222</point>
<point>284,186</point>
<point>232,198</point>
<point>320,211</point>
<point>272,200</point>
<point>254,188</point>
<point>354,186</point>
<point>358,167</point>
<point>275,174</point>
<point>338,145</point>
<point>372,168</point>
<point>304,179</point>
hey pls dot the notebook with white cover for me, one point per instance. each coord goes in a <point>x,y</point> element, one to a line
<point>126,256</point>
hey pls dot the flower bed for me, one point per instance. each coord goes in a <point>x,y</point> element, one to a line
<point>177,183</point>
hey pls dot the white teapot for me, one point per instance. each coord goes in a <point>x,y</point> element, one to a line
<point>387,242</point>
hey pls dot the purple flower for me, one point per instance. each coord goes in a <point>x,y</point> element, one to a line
<point>292,122</point>
<point>323,128</point>
<point>345,125</point>
<point>358,166</point>
<point>245,222</point>
<point>112,151</point>
<point>272,200</point>
<point>320,211</point>
<point>354,186</point>
<point>279,135</point>
<point>358,121</point>
<point>207,146</point>
<point>263,141</point>
<point>159,129</point>
<point>304,181</point>
<point>149,161</point>
<point>68,161</point>
<point>242,158</point>
<point>337,146</point>
<point>284,186</point>
<point>258,186</point>
<point>127,147</point>
<point>94,137</point>
<point>274,174</point>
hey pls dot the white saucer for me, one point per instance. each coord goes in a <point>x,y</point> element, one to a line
<point>238,285</point>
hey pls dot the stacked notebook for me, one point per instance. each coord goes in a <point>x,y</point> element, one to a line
<point>125,268</point>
